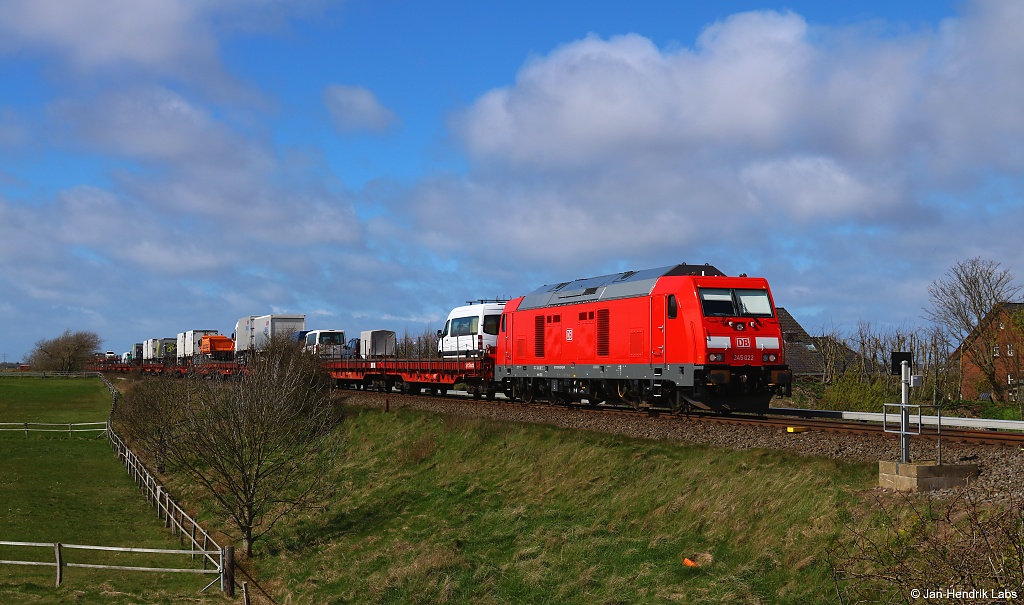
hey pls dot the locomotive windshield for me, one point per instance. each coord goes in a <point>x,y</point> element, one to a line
<point>730,302</point>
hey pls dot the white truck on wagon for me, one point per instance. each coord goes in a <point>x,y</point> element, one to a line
<point>470,329</point>
<point>252,332</point>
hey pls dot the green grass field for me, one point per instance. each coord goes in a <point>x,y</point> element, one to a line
<point>433,509</point>
<point>74,490</point>
<point>53,400</point>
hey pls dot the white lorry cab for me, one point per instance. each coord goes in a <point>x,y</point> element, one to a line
<point>470,329</point>
<point>329,344</point>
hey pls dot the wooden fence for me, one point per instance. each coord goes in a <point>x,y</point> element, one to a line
<point>55,427</point>
<point>30,374</point>
<point>215,559</point>
<point>175,518</point>
<point>60,559</point>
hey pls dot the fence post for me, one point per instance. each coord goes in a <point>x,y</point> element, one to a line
<point>60,563</point>
<point>227,570</point>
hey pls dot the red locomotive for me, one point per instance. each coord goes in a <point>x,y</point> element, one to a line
<point>670,337</point>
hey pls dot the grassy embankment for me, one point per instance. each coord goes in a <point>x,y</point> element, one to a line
<point>74,491</point>
<point>434,509</point>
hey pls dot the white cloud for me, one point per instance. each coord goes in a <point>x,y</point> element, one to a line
<point>815,124</point>
<point>146,124</point>
<point>356,109</point>
<point>595,99</point>
<point>187,165</point>
<point>815,188</point>
<point>155,34</point>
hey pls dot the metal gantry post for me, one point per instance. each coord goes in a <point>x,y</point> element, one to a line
<point>905,413</point>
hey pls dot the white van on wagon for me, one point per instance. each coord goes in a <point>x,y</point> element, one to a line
<point>471,329</point>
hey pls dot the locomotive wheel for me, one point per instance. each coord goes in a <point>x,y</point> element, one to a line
<point>527,392</point>
<point>597,394</point>
<point>544,391</point>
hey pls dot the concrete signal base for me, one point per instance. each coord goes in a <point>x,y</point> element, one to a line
<point>924,476</point>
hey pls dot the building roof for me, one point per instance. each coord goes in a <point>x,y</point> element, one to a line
<point>802,353</point>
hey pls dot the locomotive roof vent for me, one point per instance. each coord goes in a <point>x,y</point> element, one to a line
<point>703,270</point>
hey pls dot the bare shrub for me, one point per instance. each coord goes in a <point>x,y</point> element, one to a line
<point>147,415</point>
<point>259,445</point>
<point>917,548</point>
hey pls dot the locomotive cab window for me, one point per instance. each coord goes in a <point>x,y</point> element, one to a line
<point>754,303</point>
<point>727,302</point>
<point>717,302</point>
<point>673,306</point>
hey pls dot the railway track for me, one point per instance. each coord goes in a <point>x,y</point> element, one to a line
<point>948,435</point>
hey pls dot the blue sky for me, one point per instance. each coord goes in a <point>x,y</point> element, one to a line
<point>176,164</point>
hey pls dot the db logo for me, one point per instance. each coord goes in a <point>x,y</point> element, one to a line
<point>742,343</point>
<point>568,334</point>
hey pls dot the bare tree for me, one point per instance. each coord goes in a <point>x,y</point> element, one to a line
<point>148,415</point>
<point>259,445</point>
<point>69,352</point>
<point>960,303</point>
<point>418,347</point>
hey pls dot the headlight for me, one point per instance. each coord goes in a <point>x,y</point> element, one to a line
<point>716,357</point>
<point>769,357</point>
